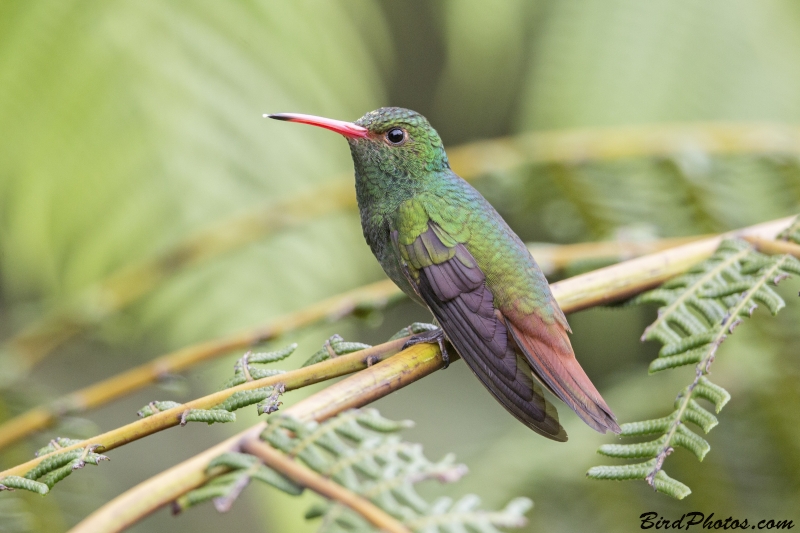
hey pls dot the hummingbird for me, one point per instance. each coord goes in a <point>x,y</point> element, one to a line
<point>449,250</point>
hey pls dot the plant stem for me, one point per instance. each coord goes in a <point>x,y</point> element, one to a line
<point>294,379</point>
<point>355,391</point>
<point>773,247</point>
<point>375,295</point>
<point>306,477</point>
<point>554,258</point>
<point>621,281</point>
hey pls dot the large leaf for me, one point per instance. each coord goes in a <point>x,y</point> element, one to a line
<point>128,124</point>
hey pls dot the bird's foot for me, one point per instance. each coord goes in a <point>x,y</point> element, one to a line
<point>430,337</point>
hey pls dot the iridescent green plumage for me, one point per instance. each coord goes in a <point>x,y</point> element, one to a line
<point>447,248</point>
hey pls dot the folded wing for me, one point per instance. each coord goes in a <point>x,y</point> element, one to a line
<point>449,281</point>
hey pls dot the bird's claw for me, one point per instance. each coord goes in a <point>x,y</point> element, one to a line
<point>430,337</point>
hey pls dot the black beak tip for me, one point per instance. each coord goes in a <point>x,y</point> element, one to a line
<point>277,116</point>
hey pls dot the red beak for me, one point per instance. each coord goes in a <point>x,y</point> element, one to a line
<point>348,129</point>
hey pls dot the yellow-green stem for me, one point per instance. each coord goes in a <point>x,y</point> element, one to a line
<point>306,477</point>
<point>374,295</point>
<point>291,380</point>
<point>357,390</point>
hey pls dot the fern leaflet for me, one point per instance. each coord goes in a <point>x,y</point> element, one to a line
<point>360,451</point>
<point>700,309</point>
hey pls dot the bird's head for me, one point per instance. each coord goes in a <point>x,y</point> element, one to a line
<point>391,141</point>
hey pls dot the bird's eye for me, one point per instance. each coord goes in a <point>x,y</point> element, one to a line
<point>396,136</point>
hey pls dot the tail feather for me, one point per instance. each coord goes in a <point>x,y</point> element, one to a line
<point>549,353</point>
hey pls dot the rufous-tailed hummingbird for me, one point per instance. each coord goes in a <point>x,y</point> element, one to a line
<point>448,249</point>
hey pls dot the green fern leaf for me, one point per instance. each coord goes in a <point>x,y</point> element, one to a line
<point>687,343</point>
<point>701,309</point>
<point>632,451</point>
<point>233,460</point>
<point>726,289</point>
<point>55,445</point>
<point>334,347</point>
<point>156,407</point>
<point>621,472</point>
<point>360,450</point>
<point>245,398</point>
<point>371,419</point>
<point>53,477</point>
<point>52,463</point>
<point>667,485</point>
<point>697,415</point>
<point>662,296</point>
<point>711,392</point>
<point>674,361</point>
<point>770,299</point>
<point>17,482</point>
<point>690,440</point>
<point>273,357</point>
<point>209,416</point>
<point>646,427</point>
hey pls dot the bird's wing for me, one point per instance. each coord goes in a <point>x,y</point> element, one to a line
<point>447,278</point>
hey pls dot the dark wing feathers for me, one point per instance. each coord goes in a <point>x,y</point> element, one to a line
<point>454,289</point>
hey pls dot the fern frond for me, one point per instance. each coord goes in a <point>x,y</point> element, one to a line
<point>701,308</point>
<point>266,398</point>
<point>334,347</point>
<point>416,327</point>
<point>55,445</point>
<point>224,489</point>
<point>711,392</point>
<point>17,482</point>
<point>54,468</point>
<point>244,371</point>
<point>449,515</point>
<point>360,451</point>
<point>662,482</point>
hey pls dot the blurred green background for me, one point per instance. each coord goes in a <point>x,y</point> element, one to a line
<point>127,125</point>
